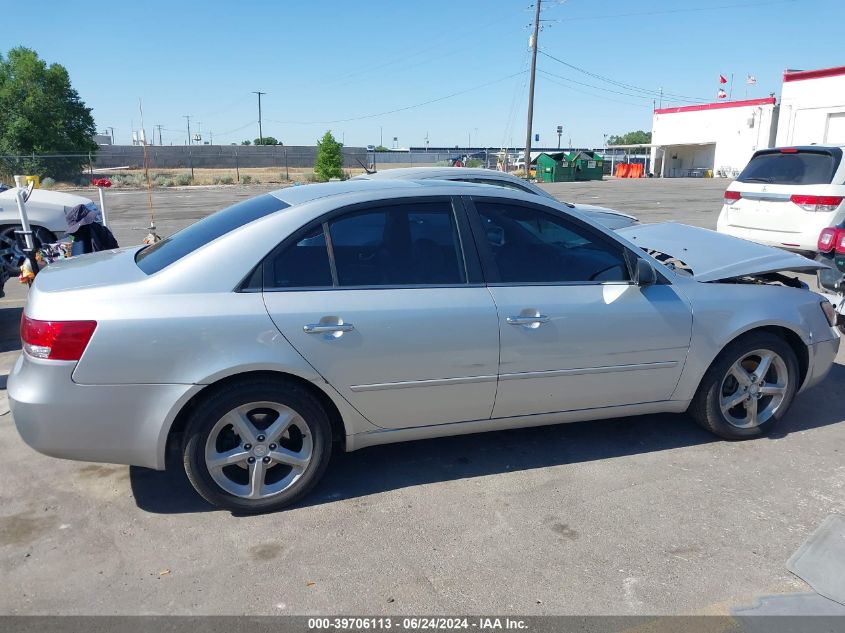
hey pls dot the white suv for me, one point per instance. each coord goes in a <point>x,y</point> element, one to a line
<point>785,196</point>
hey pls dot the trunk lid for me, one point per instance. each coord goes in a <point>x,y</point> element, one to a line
<point>711,256</point>
<point>90,271</point>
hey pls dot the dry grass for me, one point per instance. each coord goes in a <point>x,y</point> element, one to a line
<point>134,178</point>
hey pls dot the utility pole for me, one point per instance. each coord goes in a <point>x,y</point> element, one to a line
<point>533,43</point>
<point>158,127</point>
<point>380,136</point>
<point>188,117</point>
<point>210,137</point>
<point>260,133</point>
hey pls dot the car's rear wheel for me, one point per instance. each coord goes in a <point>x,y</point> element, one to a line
<point>256,446</point>
<point>11,255</point>
<point>748,388</point>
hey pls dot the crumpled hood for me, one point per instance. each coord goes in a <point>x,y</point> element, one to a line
<point>712,256</point>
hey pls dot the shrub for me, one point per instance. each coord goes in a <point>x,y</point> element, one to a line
<point>182,180</point>
<point>245,180</point>
<point>215,180</point>
<point>162,181</point>
<point>48,182</point>
<point>227,180</point>
<point>329,163</point>
<point>127,180</point>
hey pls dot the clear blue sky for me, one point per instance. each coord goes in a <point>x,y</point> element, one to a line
<point>325,60</point>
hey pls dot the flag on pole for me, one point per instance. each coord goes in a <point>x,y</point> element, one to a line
<point>751,80</point>
<point>722,94</point>
<point>722,79</point>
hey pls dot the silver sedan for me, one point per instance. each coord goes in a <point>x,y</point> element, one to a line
<point>369,312</point>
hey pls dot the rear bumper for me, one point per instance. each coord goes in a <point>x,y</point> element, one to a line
<point>803,241</point>
<point>119,424</point>
<point>822,355</point>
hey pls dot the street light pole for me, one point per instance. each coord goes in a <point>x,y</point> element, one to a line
<point>531,87</point>
<point>188,117</point>
<point>260,133</point>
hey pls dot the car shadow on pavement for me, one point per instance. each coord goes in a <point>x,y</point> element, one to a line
<point>394,466</point>
<point>390,467</point>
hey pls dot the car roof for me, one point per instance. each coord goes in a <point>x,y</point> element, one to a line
<point>411,173</point>
<point>306,193</point>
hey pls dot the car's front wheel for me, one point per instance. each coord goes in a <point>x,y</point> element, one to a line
<point>257,445</point>
<point>748,388</point>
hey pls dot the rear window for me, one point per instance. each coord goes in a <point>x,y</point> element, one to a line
<point>160,255</point>
<point>803,167</point>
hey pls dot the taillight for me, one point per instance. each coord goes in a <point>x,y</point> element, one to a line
<point>817,203</point>
<point>832,239</point>
<point>788,150</point>
<point>732,196</point>
<point>56,340</point>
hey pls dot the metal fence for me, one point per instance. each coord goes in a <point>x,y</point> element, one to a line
<point>216,164</point>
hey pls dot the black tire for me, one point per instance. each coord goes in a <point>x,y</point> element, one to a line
<point>10,254</point>
<point>224,400</point>
<point>705,407</point>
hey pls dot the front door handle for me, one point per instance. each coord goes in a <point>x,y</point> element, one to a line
<point>327,328</point>
<point>528,320</point>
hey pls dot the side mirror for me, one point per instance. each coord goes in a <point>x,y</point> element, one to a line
<point>645,274</point>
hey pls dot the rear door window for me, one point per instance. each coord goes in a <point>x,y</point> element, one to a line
<point>398,245</point>
<point>800,167</point>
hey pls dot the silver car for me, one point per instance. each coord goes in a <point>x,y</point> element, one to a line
<point>369,312</point>
<point>610,218</point>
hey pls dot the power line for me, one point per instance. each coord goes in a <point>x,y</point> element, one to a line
<point>648,91</point>
<point>402,109</point>
<point>549,76</point>
<point>581,83</point>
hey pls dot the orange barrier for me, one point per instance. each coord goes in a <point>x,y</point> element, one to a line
<point>629,170</point>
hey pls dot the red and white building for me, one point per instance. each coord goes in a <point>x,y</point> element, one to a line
<point>719,138</point>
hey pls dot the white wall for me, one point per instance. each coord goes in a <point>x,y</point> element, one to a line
<point>812,107</point>
<point>737,128</point>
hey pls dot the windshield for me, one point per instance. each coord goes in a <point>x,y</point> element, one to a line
<point>797,167</point>
<point>160,255</point>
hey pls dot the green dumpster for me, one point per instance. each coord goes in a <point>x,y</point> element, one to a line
<point>586,165</point>
<point>553,168</point>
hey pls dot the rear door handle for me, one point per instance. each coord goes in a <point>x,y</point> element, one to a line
<point>528,320</point>
<point>323,328</point>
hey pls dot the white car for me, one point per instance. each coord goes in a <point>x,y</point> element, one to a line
<point>46,212</point>
<point>610,218</point>
<point>785,196</point>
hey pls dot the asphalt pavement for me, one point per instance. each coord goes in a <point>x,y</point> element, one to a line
<point>646,515</point>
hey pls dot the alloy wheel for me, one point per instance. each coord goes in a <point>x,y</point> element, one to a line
<point>258,450</point>
<point>753,389</point>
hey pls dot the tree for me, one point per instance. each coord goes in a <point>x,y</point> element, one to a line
<point>266,140</point>
<point>631,138</point>
<point>329,163</point>
<point>41,113</point>
<point>246,142</point>
<point>381,148</point>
